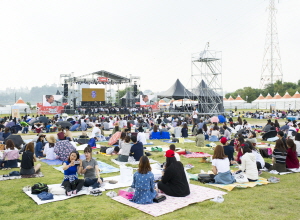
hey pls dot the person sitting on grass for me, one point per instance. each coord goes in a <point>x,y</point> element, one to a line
<point>125,150</point>
<point>248,164</point>
<point>49,148</point>
<point>143,183</point>
<point>228,149</point>
<point>279,157</point>
<point>291,158</point>
<point>137,149</point>
<point>10,156</point>
<point>90,169</point>
<point>260,162</point>
<point>141,136</point>
<point>71,167</point>
<point>184,131</point>
<point>173,148</point>
<point>39,147</point>
<point>200,138</point>
<point>28,159</point>
<point>221,167</point>
<point>61,134</point>
<point>174,181</point>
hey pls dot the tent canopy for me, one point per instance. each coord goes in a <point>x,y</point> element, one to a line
<point>203,90</point>
<point>128,95</point>
<point>176,91</point>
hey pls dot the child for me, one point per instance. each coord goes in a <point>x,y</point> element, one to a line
<point>71,167</point>
<point>291,158</point>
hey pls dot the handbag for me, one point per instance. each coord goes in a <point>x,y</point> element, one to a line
<point>158,199</point>
<point>206,178</point>
<point>156,149</point>
<point>125,194</point>
<point>240,177</point>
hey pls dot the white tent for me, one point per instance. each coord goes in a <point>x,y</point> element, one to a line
<point>22,105</point>
<point>232,103</point>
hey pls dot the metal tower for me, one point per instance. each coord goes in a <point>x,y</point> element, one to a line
<point>271,67</point>
<point>207,76</point>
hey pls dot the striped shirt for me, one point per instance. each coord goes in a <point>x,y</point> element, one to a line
<point>279,156</point>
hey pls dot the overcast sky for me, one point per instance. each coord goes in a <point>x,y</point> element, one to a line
<point>152,39</point>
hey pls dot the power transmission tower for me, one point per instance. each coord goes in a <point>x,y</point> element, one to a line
<point>271,67</point>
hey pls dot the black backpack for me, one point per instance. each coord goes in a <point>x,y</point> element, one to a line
<point>38,188</point>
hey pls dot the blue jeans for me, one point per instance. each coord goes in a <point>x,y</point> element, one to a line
<point>25,130</point>
<point>92,182</point>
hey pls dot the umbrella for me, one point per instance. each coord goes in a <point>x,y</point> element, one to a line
<point>284,127</point>
<point>221,119</point>
<point>74,127</point>
<point>114,138</point>
<point>269,134</point>
<point>17,139</point>
<point>43,119</point>
<point>214,119</point>
<point>32,121</point>
<point>70,119</point>
<point>82,140</point>
<point>64,124</point>
<point>63,149</point>
<point>64,115</point>
<point>241,131</point>
<point>10,124</point>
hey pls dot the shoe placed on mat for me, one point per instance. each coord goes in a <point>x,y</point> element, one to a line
<point>96,192</point>
<point>112,181</point>
<point>218,199</point>
<point>111,194</point>
<point>26,188</point>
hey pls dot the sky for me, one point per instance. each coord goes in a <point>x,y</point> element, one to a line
<point>152,39</point>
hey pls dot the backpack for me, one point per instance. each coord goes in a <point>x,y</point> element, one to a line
<point>38,188</point>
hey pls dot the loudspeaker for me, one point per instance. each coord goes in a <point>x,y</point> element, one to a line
<point>135,92</point>
<point>74,103</point>
<point>66,90</point>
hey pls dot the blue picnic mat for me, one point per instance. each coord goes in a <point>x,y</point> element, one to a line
<point>104,167</point>
<point>116,145</point>
<point>58,162</point>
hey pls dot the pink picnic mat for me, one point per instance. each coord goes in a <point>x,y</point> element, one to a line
<point>196,154</point>
<point>198,194</point>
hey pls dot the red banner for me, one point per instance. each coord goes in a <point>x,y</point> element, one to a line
<point>155,106</point>
<point>49,110</point>
<point>102,79</point>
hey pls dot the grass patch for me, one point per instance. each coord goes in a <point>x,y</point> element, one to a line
<point>272,201</point>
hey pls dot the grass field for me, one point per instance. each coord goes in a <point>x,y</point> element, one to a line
<point>272,201</point>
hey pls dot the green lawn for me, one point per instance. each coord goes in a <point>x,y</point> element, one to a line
<point>272,201</point>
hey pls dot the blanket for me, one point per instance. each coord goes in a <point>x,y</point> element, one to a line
<point>198,194</point>
<point>57,161</point>
<point>132,163</point>
<point>261,181</point>
<point>2,178</point>
<point>104,168</point>
<point>197,155</point>
<point>107,186</point>
<point>164,148</point>
<point>83,146</point>
<point>56,198</point>
<point>185,141</point>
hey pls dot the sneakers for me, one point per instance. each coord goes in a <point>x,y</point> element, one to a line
<point>189,166</point>
<point>273,179</point>
<point>218,199</point>
<point>111,194</point>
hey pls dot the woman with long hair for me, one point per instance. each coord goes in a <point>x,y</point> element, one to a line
<point>174,181</point>
<point>279,157</point>
<point>39,147</point>
<point>28,159</point>
<point>143,183</point>
<point>221,167</point>
<point>184,130</point>
<point>291,157</point>
<point>10,155</point>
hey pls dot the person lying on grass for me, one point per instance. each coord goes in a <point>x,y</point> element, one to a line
<point>90,169</point>
<point>143,183</point>
<point>174,181</point>
<point>221,167</point>
<point>71,167</point>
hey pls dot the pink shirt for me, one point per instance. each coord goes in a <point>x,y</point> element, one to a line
<point>11,154</point>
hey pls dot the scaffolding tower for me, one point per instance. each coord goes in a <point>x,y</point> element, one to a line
<point>206,81</point>
<point>271,67</point>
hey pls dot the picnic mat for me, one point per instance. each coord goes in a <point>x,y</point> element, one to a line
<point>196,154</point>
<point>164,148</point>
<point>132,163</point>
<point>198,194</point>
<point>58,162</point>
<point>106,185</point>
<point>83,146</point>
<point>56,198</point>
<point>22,176</point>
<point>104,167</point>
<point>293,170</point>
<point>229,187</point>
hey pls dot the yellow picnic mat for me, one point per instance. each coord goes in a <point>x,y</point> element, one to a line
<point>229,187</point>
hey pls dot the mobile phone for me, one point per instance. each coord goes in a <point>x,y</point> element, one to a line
<point>76,162</point>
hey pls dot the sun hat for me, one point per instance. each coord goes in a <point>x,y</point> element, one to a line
<point>51,139</point>
<point>170,153</point>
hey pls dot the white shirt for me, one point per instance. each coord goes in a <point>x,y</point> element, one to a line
<point>195,114</point>
<point>49,152</point>
<point>141,137</point>
<point>95,132</point>
<point>222,165</point>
